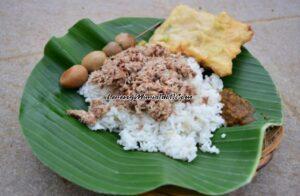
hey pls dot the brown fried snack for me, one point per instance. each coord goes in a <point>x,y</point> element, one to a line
<point>236,110</point>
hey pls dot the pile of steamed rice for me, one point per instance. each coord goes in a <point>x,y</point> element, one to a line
<point>189,124</point>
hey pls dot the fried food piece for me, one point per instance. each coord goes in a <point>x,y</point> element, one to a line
<point>212,40</point>
<point>236,110</point>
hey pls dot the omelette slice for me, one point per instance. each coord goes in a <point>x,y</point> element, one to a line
<point>212,40</point>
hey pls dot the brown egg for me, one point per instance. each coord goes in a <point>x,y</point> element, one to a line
<point>125,40</point>
<point>112,48</point>
<point>93,60</point>
<point>74,77</point>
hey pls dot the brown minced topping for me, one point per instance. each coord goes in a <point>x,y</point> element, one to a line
<point>96,110</point>
<point>83,116</point>
<point>236,110</point>
<point>149,70</point>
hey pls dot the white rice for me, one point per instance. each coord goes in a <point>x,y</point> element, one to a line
<point>190,123</point>
<point>223,135</point>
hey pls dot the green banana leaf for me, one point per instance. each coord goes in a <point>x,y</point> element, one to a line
<point>95,161</point>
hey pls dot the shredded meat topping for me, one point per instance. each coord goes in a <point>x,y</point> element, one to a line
<point>149,70</point>
<point>83,116</point>
<point>96,110</point>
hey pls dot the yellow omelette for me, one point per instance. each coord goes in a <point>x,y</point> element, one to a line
<point>212,40</point>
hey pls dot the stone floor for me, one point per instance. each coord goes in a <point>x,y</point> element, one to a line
<point>27,25</point>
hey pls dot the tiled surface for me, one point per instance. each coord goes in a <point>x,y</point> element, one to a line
<point>27,25</point>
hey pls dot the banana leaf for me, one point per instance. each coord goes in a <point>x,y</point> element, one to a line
<point>95,161</point>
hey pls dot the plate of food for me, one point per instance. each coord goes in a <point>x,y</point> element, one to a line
<point>133,104</point>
